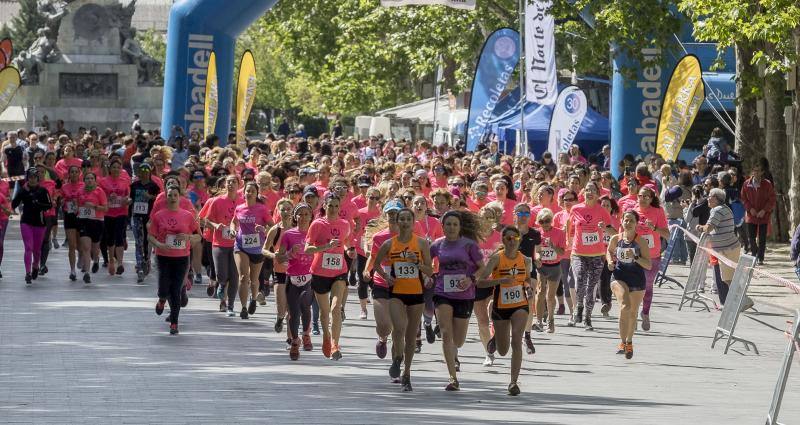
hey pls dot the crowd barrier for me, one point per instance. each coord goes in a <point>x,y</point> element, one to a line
<point>695,283</point>
<point>666,257</point>
<point>793,334</point>
<point>733,305</point>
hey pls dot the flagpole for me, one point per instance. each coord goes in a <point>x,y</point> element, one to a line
<point>523,139</point>
<point>437,92</point>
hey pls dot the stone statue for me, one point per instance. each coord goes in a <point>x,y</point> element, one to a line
<point>44,47</point>
<point>28,67</point>
<point>53,11</point>
<point>133,53</point>
<point>123,14</point>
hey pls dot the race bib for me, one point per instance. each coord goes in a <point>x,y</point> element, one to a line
<point>85,212</point>
<point>548,254</point>
<point>70,207</point>
<point>331,261</point>
<point>650,240</point>
<point>404,270</point>
<point>606,239</point>
<point>511,294</point>
<point>140,208</point>
<point>451,282</point>
<point>227,233</point>
<point>173,242</point>
<point>590,238</point>
<point>251,241</point>
<point>115,202</point>
<point>626,255</point>
<point>300,280</point>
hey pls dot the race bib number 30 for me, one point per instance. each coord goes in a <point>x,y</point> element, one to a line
<point>511,294</point>
<point>173,242</point>
<point>404,270</point>
<point>300,280</point>
<point>140,208</point>
<point>451,282</point>
<point>251,241</point>
<point>332,261</point>
<point>590,238</point>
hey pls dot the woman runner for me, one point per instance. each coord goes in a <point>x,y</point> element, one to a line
<point>117,189</point>
<point>249,221</point>
<point>492,213</point>
<point>326,240</point>
<point>548,261</point>
<point>171,231</point>
<point>92,205</point>
<point>628,257</point>
<point>408,258</point>
<point>509,271</point>
<point>70,194</point>
<point>652,227</point>
<point>298,278</point>
<point>35,201</point>
<point>285,211</point>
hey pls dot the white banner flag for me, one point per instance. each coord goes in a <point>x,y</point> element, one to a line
<point>540,53</point>
<point>568,114</point>
<point>455,4</point>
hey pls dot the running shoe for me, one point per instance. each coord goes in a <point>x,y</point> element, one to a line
<point>363,315</point>
<point>629,350</point>
<point>55,244</point>
<point>529,348</point>
<point>1,275</point>
<point>231,313</point>
<point>294,351</point>
<point>380,349</point>
<point>621,348</point>
<point>307,345</point>
<point>262,300</point>
<point>198,279</point>
<point>405,382</point>
<point>244,315</point>
<point>43,270</point>
<point>87,278</point>
<point>491,346</point>
<point>458,365</point>
<point>418,348</point>
<point>173,329</point>
<point>251,307</point>
<point>488,360</point>
<point>220,291</point>
<point>139,276</point>
<point>315,329</point>
<point>513,389</point>
<point>184,297</point>
<point>588,324</point>
<point>95,267</point>
<point>72,276</point>
<point>279,325</point>
<point>35,273</point>
<point>343,315</point>
<point>210,289</point>
<point>561,309</point>
<point>645,322</point>
<point>120,269</point>
<point>288,344</point>
<point>111,269</point>
<point>160,306</point>
<point>571,322</point>
<point>28,278</point>
<point>336,353</point>
<point>579,314</point>
<point>430,336</point>
<point>223,307</point>
<point>326,347</point>
<point>551,325</point>
<point>394,370</point>
<point>538,326</point>
<point>452,386</point>
<point>605,309</point>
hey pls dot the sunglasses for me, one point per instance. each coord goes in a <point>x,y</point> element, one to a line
<point>457,184</point>
<point>523,213</point>
<point>375,198</point>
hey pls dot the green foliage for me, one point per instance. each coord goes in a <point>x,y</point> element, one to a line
<point>154,45</point>
<point>23,27</point>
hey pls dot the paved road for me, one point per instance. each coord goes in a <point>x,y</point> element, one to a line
<point>98,354</point>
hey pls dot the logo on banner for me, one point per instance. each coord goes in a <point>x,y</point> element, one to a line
<point>504,47</point>
<point>540,53</point>
<point>572,104</point>
<point>565,123</point>
<point>200,47</point>
<point>682,100</point>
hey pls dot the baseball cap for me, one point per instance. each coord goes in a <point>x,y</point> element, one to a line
<point>311,190</point>
<point>421,173</point>
<point>393,205</point>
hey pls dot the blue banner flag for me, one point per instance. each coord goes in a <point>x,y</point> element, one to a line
<point>499,57</point>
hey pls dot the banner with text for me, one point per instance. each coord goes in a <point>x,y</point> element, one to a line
<point>9,83</point>
<point>684,96</point>
<point>496,63</point>
<point>212,97</point>
<point>566,120</point>
<point>455,4</point>
<point>540,53</point>
<point>245,93</point>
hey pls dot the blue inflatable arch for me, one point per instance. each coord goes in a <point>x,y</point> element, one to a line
<point>196,27</point>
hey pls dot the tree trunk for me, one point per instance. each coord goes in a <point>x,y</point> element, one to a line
<point>794,192</point>
<point>749,138</point>
<point>777,150</point>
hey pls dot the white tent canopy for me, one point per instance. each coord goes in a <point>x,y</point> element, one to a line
<point>421,112</point>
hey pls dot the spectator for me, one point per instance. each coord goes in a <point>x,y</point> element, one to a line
<point>758,197</point>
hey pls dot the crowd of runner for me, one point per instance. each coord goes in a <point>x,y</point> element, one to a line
<point>429,235</point>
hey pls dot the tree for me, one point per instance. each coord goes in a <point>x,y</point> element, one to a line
<point>23,27</point>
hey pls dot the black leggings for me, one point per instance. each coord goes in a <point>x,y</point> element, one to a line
<point>363,284</point>
<point>171,272</point>
<point>605,284</point>
<point>227,274</point>
<point>757,239</point>
<point>208,260</point>
<point>298,298</point>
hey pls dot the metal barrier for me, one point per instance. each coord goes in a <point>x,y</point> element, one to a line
<point>666,257</point>
<point>733,305</point>
<point>783,374</point>
<point>697,277</point>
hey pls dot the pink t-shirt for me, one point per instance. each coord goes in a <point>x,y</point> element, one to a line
<point>294,242</point>
<point>116,190</point>
<point>553,238</point>
<point>365,215</point>
<point>429,228</point>
<point>377,240</point>
<point>560,220</point>
<point>166,224</point>
<point>50,186</point>
<point>70,193</point>
<point>98,197</point>
<point>508,212</point>
<point>63,165</point>
<point>628,202</point>
<point>360,201</point>
<point>653,239</point>
<point>271,199</point>
<point>220,210</point>
<point>490,245</point>
<point>588,237</point>
<point>247,239</point>
<point>160,203</point>
<point>330,263</point>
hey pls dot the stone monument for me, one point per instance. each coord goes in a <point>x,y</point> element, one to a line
<point>87,68</point>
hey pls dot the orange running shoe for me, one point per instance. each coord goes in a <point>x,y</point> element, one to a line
<point>337,353</point>
<point>629,350</point>
<point>621,348</point>
<point>326,347</point>
<point>307,345</point>
<point>294,351</point>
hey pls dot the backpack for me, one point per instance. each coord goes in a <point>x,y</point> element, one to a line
<point>737,208</point>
